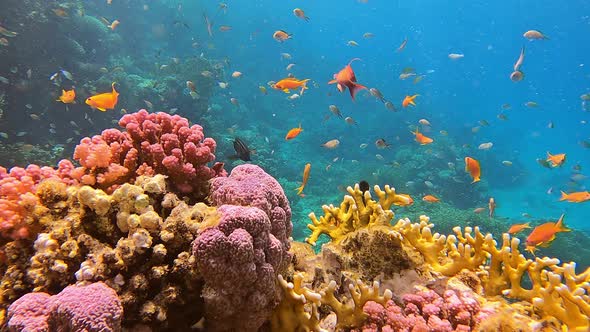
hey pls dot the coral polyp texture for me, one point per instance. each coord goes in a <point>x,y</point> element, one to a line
<point>557,294</point>
<point>240,257</point>
<point>93,307</point>
<point>152,143</point>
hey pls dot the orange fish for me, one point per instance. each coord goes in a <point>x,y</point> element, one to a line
<point>518,228</point>
<point>345,78</point>
<point>409,100</point>
<point>472,167</point>
<point>430,199</point>
<point>67,97</point>
<point>420,138</point>
<point>60,12</point>
<point>555,160</point>
<point>104,101</point>
<point>291,83</point>
<point>281,36</point>
<point>577,197</point>
<point>300,13</point>
<point>305,178</point>
<point>543,234</point>
<point>293,133</point>
<point>114,25</point>
<point>492,207</point>
<point>479,210</point>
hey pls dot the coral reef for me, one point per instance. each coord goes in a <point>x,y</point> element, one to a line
<point>557,293</point>
<point>241,256</point>
<point>356,211</point>
<point>93,307</point>
<point>136,240</point>
<point>457,308</point>
<point>152,143</point>
<point>17,199</point>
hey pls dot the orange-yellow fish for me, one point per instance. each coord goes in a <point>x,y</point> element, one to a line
<point>67,97</point>
<point>472,167</point>
<point>305,178</point>
<point>492,207</point>
<point>420,138</point>
<point>543,234</point>
<point>518,228</point>
<point>114,25</point>
<point>293,133</point>
<point>430,199</point>
<point>409,100</point>
<point>300,13</point>
<point>403,200</point>
<point>291,83</point>
<point>577,197</point>
<point>104,101</point>
<point>281,36</point>
<point>555,160</point>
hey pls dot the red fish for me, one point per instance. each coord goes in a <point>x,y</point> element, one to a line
<point>346,79</point>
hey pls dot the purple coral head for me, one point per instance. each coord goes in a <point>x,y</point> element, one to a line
<point>93,307</point>
<point>239,260</point>
<point>29,313</point>
<point>250,185</point>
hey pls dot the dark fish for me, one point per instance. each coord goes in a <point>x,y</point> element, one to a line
<point>364,187</point>
<point>543,163</point>
<point>242,150</point>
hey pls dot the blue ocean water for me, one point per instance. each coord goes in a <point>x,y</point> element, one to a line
<point>454,95</point>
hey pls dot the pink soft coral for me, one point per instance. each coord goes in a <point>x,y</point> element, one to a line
<point>17,198</point>
<point>151,143</point>
<point>426,310</point>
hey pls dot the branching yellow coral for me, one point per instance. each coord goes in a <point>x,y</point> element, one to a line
<point>298,311</point>
<point>356,211</point>
<point>351,314</point>
<point>556,293</point>
<point>291,314</point>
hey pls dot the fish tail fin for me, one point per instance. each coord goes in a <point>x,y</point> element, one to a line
<point>303,86</point>
<point>300,189</point>
<point>563,196</point>
<point>354,88</point>
<point>560,225</point>
<point>307,20</point>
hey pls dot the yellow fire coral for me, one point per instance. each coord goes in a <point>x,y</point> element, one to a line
<point>291,315</point>
<point>356,211</point>
<point>557,292</point>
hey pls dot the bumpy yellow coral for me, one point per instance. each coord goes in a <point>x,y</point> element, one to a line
<point>557,292</point>
<point>356,211</point>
